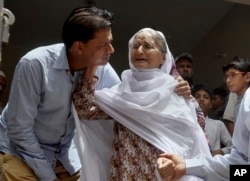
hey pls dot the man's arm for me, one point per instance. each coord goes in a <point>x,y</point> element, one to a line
<point>22,110</point>
<point>208,168</point>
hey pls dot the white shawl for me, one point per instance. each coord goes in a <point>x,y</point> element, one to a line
<point>144,102</point>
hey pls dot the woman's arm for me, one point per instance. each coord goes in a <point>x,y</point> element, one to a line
<point>83,98</point>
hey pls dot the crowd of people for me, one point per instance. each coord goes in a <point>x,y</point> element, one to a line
<point>70,117</point>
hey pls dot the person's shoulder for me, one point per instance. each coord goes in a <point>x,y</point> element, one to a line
<point>44,53</point>
<point>44,50</point>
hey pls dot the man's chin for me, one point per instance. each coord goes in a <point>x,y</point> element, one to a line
<point>103,63</point>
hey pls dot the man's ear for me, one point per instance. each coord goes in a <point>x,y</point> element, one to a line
<point>78,47</point>
<point>248,77</point>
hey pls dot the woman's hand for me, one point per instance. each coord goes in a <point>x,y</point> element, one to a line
<point>90,72</point>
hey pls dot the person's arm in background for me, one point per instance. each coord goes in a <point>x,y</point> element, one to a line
<point>225,139</point>
<point>210,169</point>
<point>228,116</point>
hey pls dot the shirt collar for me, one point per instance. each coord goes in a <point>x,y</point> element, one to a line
<point>61,61</point>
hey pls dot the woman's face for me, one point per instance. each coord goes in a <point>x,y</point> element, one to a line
<point>145,52</point>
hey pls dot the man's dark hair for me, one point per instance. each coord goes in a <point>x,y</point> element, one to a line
<point>83,23</point>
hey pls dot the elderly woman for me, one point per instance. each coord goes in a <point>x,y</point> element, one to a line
<point>149,117</point>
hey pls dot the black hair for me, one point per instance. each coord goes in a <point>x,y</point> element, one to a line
<point>83,23</point>
<point>203,87</point>
<point>238,63</point>
<point>222,92</point>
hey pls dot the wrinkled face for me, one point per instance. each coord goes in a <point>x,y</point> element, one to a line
<point>202,97</point>
<point>185,68</point>
<point>145,53</point>
<point>237,82</point>
<point>98,50</point>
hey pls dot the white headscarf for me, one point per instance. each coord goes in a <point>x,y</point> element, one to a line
<point>165,67</point>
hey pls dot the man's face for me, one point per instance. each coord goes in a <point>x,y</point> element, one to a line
<point>217,102</point>
<point>96,51</point>
<point>185,68</point>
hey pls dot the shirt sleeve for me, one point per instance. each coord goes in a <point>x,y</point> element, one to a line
<point>107,77</point>
<point>214,168</point>
<point>229,110</point>
<point>23,103</point>
<point>225,139</point>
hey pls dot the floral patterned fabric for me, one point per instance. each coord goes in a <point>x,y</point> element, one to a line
<point>133,159</point>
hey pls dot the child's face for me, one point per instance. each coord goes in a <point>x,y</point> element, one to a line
<point>237,81</point>
<point>217,102</point>
<point>204,100</point>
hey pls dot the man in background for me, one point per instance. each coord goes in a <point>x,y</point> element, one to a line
<point>184,65</point>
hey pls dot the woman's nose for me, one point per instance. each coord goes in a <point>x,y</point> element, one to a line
<point>140,49</point>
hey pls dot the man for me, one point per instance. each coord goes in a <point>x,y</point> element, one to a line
<point>2,87</point>
<point>216,168</point>
<point>36,126</point>
<point>184,65</point>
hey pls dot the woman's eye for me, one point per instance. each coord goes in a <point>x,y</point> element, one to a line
<point>136,46</point>
<point>148,46</point>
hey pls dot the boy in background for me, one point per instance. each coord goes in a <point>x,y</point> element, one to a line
<point>216,130</point>
<point>237,78</point>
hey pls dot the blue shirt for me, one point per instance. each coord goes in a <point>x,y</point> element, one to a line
<point>37,125</point>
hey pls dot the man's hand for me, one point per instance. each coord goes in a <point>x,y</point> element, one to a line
<point>166,168</point>
<point>183,88</point>
<point>178,164</point>
<point>217,152</point>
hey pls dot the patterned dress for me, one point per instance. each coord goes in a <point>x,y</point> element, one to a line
<point>133,159</point>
